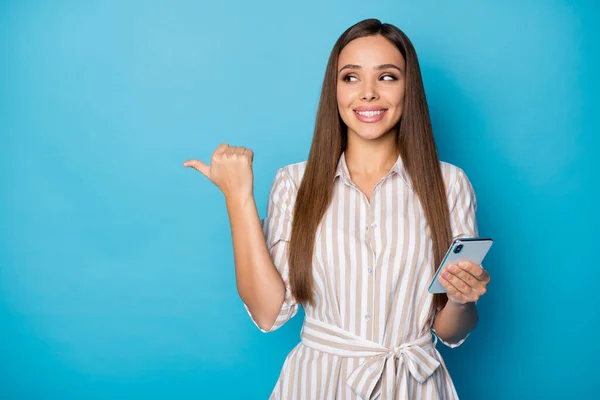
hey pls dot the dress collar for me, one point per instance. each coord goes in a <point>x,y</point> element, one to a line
<point>342,169</point>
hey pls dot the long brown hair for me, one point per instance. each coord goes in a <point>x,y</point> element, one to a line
<point>415,143</point>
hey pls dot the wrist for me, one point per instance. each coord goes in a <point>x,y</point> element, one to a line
<point>460,306</point>
<point>239,200</point>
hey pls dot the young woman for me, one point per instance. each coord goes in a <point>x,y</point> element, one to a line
<point>355,234</point>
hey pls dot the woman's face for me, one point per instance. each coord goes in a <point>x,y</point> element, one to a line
<point>370,86</point>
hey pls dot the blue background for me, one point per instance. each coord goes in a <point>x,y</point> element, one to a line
<point>116,267</point>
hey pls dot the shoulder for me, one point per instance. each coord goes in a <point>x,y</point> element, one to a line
<point>458,185</point>
<point>453,175</point>
<point>285,186</point>
<point>293,173</point>
<point>450,172</point>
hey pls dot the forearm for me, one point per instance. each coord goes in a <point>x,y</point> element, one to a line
<point>259,284</point>
<point>454,321</point>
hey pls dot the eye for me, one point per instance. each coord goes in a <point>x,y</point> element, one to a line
<point>348,78</point>
<point>389,77</point>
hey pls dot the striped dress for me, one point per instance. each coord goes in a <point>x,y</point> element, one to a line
<point>370,333</point>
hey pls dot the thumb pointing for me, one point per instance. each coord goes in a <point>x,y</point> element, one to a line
<point>199,166</point>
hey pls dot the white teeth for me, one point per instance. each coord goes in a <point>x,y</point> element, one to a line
<point>370,113</point>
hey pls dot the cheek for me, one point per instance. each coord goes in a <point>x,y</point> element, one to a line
<point>344,103</point>
<point>393,94</point>
<point>341,107</point>
<point>344,113</point>
<point>401,101</point>
<point>343,99</point>
<point>399,96</point>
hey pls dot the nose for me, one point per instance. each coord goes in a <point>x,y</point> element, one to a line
<point>369,92</point>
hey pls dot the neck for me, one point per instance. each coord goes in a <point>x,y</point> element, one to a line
<point>371,157</point>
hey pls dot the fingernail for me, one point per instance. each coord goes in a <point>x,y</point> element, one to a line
<point>462,264</point>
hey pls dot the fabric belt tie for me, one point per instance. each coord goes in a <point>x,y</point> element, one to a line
<point>379,364</point>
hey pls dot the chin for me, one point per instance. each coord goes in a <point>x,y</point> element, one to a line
<point>371,133</point>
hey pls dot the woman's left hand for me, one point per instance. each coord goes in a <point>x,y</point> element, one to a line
<point>465,282</point>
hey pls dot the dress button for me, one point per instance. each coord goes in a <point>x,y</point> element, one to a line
<point>370,270</point>
<point>368,317</point>
<point>373,225</point>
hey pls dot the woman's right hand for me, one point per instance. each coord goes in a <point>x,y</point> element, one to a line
<point>230,169</point>
<point>259,283</point>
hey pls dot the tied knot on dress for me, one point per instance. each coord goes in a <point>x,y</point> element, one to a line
<point>392,368</point>
<point>420,364</point>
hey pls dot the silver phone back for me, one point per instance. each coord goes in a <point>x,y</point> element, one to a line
<point>473,250</point>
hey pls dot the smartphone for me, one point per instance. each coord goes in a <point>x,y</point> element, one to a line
<point>472,250</point>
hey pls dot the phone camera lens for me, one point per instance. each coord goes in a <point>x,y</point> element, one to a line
<point>458,248</point>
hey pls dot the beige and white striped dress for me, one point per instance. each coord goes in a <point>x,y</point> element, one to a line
<point>370,334</point>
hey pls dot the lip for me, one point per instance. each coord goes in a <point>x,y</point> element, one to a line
<point>369,108</point>
<point>374,118</point>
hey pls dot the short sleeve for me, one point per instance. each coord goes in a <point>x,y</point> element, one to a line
<point>277,229</point>
<point>462,204</point>
<point>463,208</point>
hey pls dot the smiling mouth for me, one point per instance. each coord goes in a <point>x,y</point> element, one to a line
<point>370,116</point>
<point>370,113</point>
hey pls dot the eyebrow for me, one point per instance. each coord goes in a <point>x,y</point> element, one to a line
<point>379,67</point>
